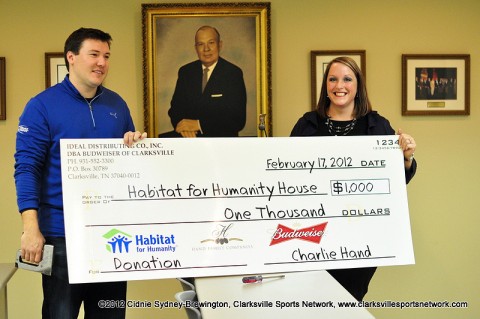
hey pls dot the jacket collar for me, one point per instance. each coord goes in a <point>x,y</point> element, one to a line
<point>71,89</point>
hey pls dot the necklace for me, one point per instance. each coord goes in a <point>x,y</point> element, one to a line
<point>340,129</point>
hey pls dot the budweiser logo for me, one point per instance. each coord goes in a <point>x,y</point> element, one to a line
<point>312,234</point>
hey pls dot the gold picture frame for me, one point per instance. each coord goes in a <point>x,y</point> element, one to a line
<point>318,62</point>
<point>435,84</point>
<point>3,89</point>
<point>168,43</point>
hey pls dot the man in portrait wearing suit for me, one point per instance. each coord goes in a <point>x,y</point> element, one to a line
<point>210,96</point>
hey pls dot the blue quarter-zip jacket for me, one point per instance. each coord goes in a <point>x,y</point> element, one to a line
<point>59,112</point>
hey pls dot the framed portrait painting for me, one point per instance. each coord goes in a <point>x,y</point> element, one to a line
<point>3,90</point>
<point>169,43</point>
<point>435,84</point>
<point>319,61</point>
<point>55,68</point>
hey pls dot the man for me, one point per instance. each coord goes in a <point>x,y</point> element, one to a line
<point>218,109</point>
<point>78,107</point>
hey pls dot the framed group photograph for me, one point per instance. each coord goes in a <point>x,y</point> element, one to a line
<point>169,43</point>
<point>435,84</point>
<point>3,89</point>
<point>319,61</point>
<point>55,68</point>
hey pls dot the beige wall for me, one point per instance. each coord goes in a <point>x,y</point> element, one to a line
<point>444,214</point>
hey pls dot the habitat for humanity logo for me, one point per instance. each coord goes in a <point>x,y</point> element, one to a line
<point>117,241</point>
<point>312,233</point>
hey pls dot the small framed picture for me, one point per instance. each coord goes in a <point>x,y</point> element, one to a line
<point>437,84</point>
<point>319,61</point>
<point>55,68</point>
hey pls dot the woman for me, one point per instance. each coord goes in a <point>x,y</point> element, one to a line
<point>344,109</point>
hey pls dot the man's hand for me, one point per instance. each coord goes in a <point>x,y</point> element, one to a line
<point>32,240</point>
<point>132,137</point>
<point>188,128</point>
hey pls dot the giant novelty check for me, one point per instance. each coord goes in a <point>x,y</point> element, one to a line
<point>170,208</point>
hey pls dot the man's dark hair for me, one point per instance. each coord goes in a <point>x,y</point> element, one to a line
<point>75,40</point>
